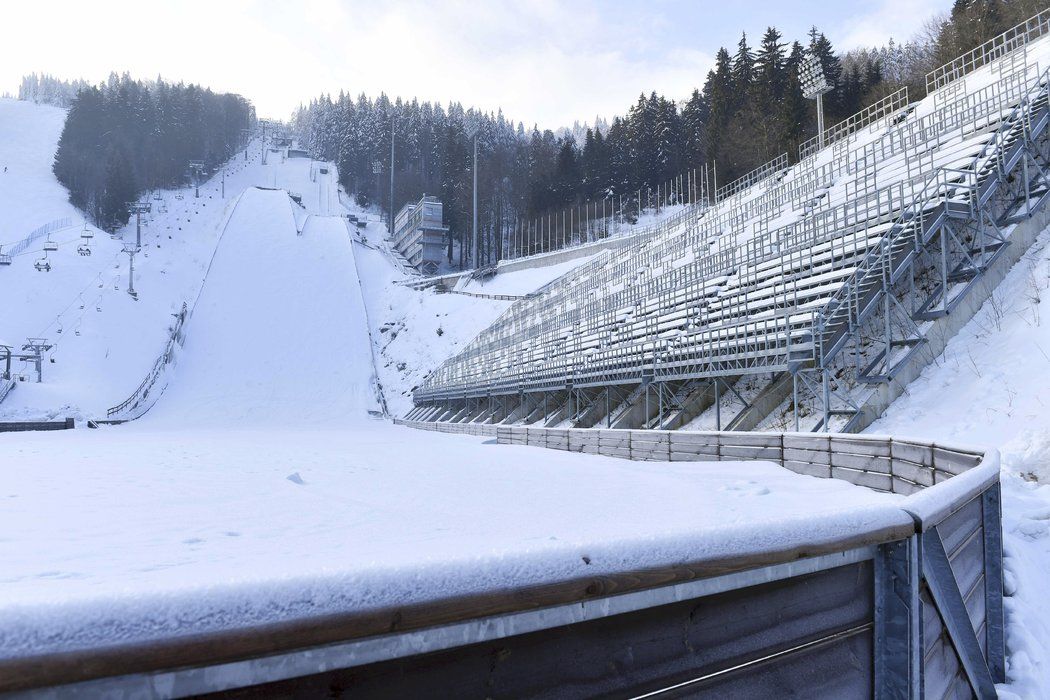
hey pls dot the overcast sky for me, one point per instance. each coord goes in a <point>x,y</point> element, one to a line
<point>549,62</point>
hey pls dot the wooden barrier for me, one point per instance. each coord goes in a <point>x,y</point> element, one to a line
<point>25,426</point>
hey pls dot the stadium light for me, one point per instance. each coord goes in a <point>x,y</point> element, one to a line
<point>814,87</point>
<point>472,132</point>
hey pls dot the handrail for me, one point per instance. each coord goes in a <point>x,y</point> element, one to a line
<point>885,109</point>
<point>939,185</point>
<point>991,50</point>
<point>166,357</point>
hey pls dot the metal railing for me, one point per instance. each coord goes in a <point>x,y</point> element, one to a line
<point>143,390</point>
<point>883,111</point>
<point>991,50</point>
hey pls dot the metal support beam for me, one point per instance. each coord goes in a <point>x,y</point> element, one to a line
<point>944,588</point>
<point>898,621</point>
<point>993,583</point>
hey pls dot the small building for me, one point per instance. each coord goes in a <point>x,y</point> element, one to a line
<point>419,234</point>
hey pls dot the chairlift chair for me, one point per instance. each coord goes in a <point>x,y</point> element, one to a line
<point>84,249</point>
<point>87,234</point>
<point>50,245</point>
<point>43,264</point>
<point>5,259</point>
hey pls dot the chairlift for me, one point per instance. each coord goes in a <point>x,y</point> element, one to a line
<point>5,259</point>
<point>84,249</point>
<point>157,197</point>
<point>43,264</point>
<point>179,197</point>
<point>50,245</point>
<point>87,234</point>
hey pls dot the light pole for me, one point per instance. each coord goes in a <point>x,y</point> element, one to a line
<point>472,132</point>
<point>814,87</point>
<point>393,119</point>
<point>377,170</point>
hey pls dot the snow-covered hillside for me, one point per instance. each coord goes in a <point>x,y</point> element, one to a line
<point>992,387</point>
<point>103,341</point>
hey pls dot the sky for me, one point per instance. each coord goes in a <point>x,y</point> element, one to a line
<point>545,62</point>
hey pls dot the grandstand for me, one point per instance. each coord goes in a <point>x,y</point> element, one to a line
<point>824,284</point>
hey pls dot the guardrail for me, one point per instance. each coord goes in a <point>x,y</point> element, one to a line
<point>937,596</point>
<point>142,392</point>
<point>991,50</point>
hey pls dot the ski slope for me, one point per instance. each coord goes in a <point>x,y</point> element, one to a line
<point>279,334</point>
<point>104,342</point>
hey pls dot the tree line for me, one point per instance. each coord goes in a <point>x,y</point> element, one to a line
<point>49,90</point>
<point>126,137</point>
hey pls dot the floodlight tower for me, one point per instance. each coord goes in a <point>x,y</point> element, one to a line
<point>197,166</point>
<point>393,121</point>
<point>377,170</point>
<point>814,87</point>
<point>472,133</point>
<point>138,209</point>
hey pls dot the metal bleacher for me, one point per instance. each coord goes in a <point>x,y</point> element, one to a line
<point>826,272</point>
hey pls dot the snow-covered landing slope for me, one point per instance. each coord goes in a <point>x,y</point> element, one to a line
<point>991,386</point>
<point>278,335</point>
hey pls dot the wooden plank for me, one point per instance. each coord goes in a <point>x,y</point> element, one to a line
<point>905,488</point>
<point>814,443</point>
<point>862,462</point>
<point>711,450</point>
<point>912,472</point>
<point>960,525</point>
<point>872,480</point>
<point>968,563</point>
<point>688,457</point>
<point>876,447</point>
<point>941,664</point>
<point>820,470</point>
<point>912,452</point>
<point>634,653</point>
<point>801,455</point>
<point>743,439</point>
<point>747,452</point>
<point>954,462</point>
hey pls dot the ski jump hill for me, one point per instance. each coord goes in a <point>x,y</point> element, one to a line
<point>279,334</point>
